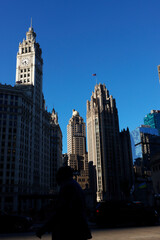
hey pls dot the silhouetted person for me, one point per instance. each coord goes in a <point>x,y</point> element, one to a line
<point>69,219</point>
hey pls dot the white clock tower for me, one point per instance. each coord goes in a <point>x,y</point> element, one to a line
<point>29,64</point>
<point>29,77</point>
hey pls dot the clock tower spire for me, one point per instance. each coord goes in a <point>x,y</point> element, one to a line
<point>30,63</point>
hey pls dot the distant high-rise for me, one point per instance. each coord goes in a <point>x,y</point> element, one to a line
<point>152,119</point>
<point>104,143</point>
<point>76,135</point>
<point>76,144</point>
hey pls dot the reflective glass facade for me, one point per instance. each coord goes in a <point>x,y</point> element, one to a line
<point>153,119</point>
<point>137,141</point>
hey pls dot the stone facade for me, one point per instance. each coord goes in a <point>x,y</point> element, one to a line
<point>104,148</point>
<point>27,131</point>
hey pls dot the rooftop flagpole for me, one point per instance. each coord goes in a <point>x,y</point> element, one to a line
<point>95,75</point>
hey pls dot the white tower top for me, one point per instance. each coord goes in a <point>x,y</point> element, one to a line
<point>30,63</point>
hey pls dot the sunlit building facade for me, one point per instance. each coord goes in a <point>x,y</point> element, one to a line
<point>26,131</point>
<point>103,140</point>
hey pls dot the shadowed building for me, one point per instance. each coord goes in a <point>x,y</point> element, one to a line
<point>55,150</point>
<point>145,142</point>
<point>127,161</point>
<point>146,145</point>
<point>155,169</point>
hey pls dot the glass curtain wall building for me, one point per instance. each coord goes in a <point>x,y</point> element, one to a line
<point>136,139</point>
<point>153,119</point>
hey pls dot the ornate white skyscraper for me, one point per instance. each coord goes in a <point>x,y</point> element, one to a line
<point>29,65</point>
<point>30,137</point>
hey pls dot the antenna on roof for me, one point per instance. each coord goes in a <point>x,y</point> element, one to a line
<point>31,22</point>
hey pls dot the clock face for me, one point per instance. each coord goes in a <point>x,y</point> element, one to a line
<point>25,61</point>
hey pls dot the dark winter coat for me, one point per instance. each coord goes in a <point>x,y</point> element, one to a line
<point>69,219</point>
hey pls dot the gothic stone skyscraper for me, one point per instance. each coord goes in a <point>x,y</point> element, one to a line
<point>104,143</point>
<point>76,144</point>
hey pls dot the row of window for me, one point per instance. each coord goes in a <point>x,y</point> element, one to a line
<point>26,49</point>
<point>25,70</point>
<point>25,75</point>
<point>9,109</point>
<point>24,81</point>
<point>11,123</point>
<point>6,102</point>
<point>6,96</point>
<point>4,116</point>
<point>10,130</point>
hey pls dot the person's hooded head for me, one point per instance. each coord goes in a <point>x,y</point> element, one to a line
<point>64,174</point>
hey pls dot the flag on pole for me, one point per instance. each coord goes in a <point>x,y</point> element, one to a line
<point>94,74</point>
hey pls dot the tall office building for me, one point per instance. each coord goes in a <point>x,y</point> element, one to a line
<point>76,144</point>
<point>152,119</point>
<point>26,131</point>
<point>76,135</point>
<point>104,143</point>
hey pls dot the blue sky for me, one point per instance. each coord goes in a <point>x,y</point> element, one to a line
<point>119,40</point>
